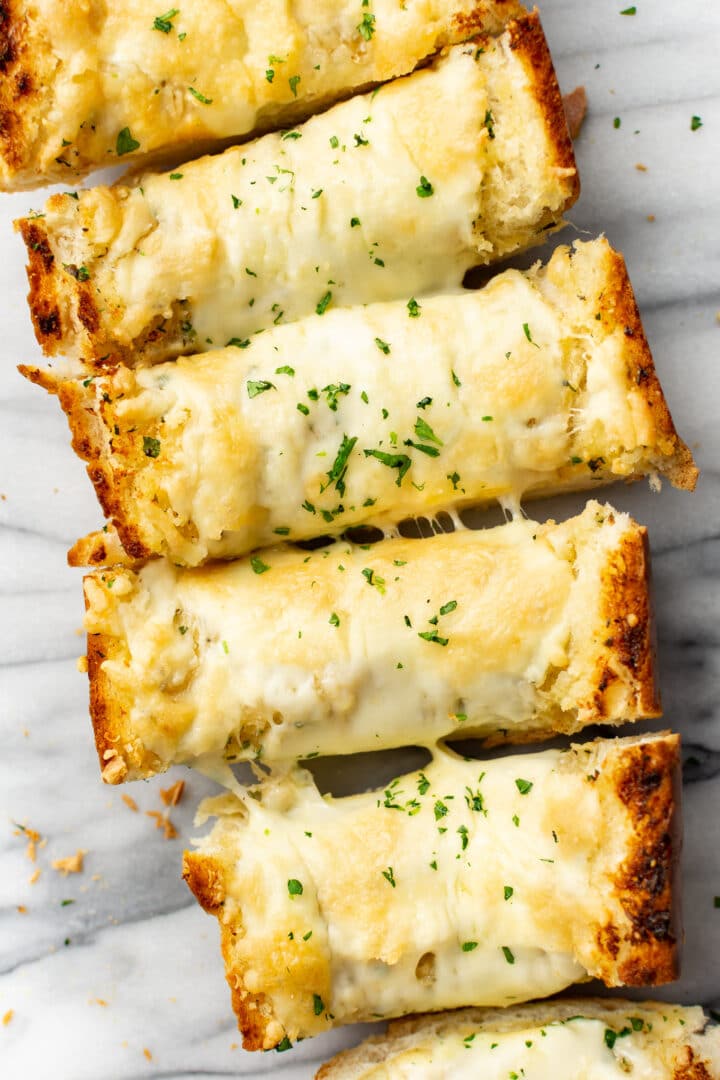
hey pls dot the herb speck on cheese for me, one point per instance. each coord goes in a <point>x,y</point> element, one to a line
<point>259,567</point>
<point>294,887</point>
<point>424,189</point>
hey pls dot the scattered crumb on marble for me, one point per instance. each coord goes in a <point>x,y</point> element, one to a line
<point>73,864</point>
<point>234,1046</point>
<point>34,876</point>
<point>4,498</point>
<point>640,167</point>
<point>26,733</point>
<point>22,910</point>
<point>82,664</point>
<point>171,796</point>
<point>162,821</point>
<point>130,803</point>
<point>34,839</point>
<point>651,217</point>
<point>98,1001</point>
<point>8,1017</point>
<point>147,1054</point>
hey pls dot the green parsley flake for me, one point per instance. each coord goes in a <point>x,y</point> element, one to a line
<point>235,201</point>
<point>424,189</point>
<point>389,876</point>
<point>617,122</point>
<point>334,142</point>
<point>366,28</point>
<point>302,408</point>
<point>285,370</point>
<point>354,222</point>
<point>455,379</point>
<point>337,473</point>
<point>528,335</point>
<point>508,891</point>
<point>468,946</point>
<point>401,462</point>
<point>414,308</point>
<point>151,447</point>
<point>259,386</point>
<point>508,954</point>
<point>176,176</point>
<point>374,579</point>
<point>293,81</point>
<point>334,619</point>
<point>322,305</point>
<point>382,345</point>
<point>490,124</point>
<point>259,567</point>
<point>283,1045</point>
<point>424,431</point>
<point>291,135</point>
<point>200,97</point>
<point>629,10</point>
<point>295,887</point>
<point>447,608</point>
<point>163,23</point>
<point>318,1006</point>
<point>695,123</point>
<point>431,451</point>
<point>432,635</point>
<point>524,786</point>
<point>125,143</point>
<point>237,343</point>
<point>269,75</point>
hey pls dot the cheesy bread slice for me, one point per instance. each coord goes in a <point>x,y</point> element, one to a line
<point>391,194</point>
<point>540,382</point>
<point>598,1039</point>
<point>510,633</point>
<point>88,85</point>
<point>468,883</point>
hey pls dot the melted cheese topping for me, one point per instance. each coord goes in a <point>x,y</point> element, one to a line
<point>379,413</point>
<point>212,70</point>
<point>390,194</point>
<point>467,882</point>
<point>647,1043</point>
<point>289,654</point>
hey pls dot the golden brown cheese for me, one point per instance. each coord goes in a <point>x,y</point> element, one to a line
<point>509,633</point>
<point>569,1039</point>
<point>540,382</point>
<point>391,194</point>
<point>470,882</point>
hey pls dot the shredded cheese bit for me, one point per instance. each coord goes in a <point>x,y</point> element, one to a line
<point>73,864</point>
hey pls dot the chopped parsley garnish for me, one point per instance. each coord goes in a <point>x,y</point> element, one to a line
<point>151,447</point>
<point>259,567</point>
<point>200,97</point>
<point>508,891</point>
<point>382,345</point>
<point>374,579</point>
<point>401,462</point>
<point>259,386</point>
<point>524,786</point>
<point>423,403</point>
<point>423,784</point>
<point>440,809</point>
<point>125,143</point>
<point>337,473</point>
<point>318,1005</point>
<point>424,431</point>
<point>163,23</point>
<point>508,954</point>
<point>283,1045</point>
<point>474,799</point>
<point>431,451</point>
<point>285,370</point>
<point>291,135</point>
<point>447,608</point>
<point>249,272</point>
<point>269,75</point>
<point>295,887</point>
<point>334,142</point>
<point>490,124</point>
<point>360,140</point>
<point>317,194</point>
<point>225,647</point>
<point>333,391</point>
<point>516,821</point>
<point>468,946</point>
<point>293,81</point>
<point>366,28</point>
<point>629,10</point>
<point>463,833</point>
<point>695,123</point>
<point>302,408</point>
<point>354,222</point>
<point>389,876</point>
<point>617,122</point>
<point>235,201</point>
<point>454,479</point>
<point>282,530</point>
<point>176,176</point>
<point>455,379</point>
<point>424,189</point>
<point>528,335</point>
<point>322,305</point>
<point>238,343</point>
<point>414,308</point>
<point>334,619</point>
<point>432,635</point>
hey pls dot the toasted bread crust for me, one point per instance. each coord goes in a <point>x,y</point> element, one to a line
<point>528,41</point>
<point>645,780</point>
<point>627,609</point>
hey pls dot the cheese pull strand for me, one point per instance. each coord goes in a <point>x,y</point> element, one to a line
<point>390,194</point>
<point>469,882</point>
<point>507,634</point>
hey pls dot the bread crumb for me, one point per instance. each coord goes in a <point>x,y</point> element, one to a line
<point>22,910</point>
<point>171,796</point>
<point>34,876</point>
<point>8,1017</point>
<point>575,106</point>
<point>147,1054</point>
<point>162,821</point>
<point>130,803</point>
<point>73,864</point>
<point>99,1001</point>
<point>640,167</point>
<point>34,839</point>
<point>82,664</point>
<point>234,1046</point>
<point>651,217</point>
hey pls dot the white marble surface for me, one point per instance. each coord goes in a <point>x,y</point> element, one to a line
<point>133,937</point>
